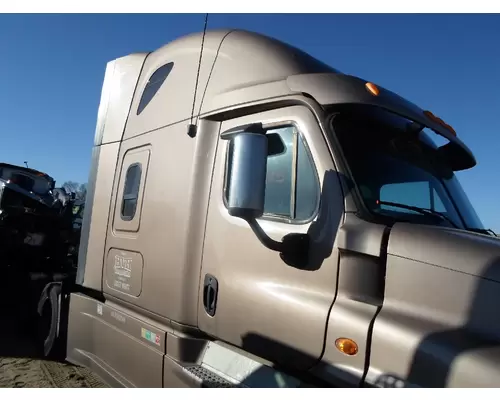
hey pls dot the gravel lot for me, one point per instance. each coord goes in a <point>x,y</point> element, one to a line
<point>34,373</point>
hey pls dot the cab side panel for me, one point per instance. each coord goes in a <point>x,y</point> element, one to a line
<point>164,239</point>
<point>118,90</point>
<point>152,260</point>
<point>95,220</point>
<point>119,346</point>
<point>148,260</point>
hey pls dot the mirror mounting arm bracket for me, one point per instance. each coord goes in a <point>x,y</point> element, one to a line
<point>294,249</point>
<point>268,242</point>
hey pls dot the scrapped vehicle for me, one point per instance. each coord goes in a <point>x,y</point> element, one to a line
<point>37,241</point>
<point>33,220</point>
<point>302,227</point>
<point>78,207</point>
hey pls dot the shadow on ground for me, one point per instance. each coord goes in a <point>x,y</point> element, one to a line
<point>17,319</point>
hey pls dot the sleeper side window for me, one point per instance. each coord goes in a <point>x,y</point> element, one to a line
<point>154,84</point>
<point>131,191</point>
<point>292,186</point>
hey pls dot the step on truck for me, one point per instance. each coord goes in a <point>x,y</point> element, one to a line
<point>257,218</point>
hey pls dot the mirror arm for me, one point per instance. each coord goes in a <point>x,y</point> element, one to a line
<point>294,250</point>
<point>271,244</point>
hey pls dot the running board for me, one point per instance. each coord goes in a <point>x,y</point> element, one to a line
<point>222,367</point>
<point>207,378</point>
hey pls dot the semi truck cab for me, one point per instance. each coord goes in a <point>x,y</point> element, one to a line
<point>309,231</point>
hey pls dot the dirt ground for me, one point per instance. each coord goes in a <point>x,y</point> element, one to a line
<point>33,373</point>
<point>20,362</point>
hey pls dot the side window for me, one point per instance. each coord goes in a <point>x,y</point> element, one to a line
<point>153,85</point>
<point>292,186</point>
<point>131,191</point>
<point>278,200</point>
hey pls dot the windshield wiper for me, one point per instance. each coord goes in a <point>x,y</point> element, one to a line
<point>486,231</point>
<point>423,211</point>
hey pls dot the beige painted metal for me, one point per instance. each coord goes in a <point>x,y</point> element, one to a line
<point>405,309</point>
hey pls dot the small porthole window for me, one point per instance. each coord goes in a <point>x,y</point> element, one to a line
<point>131,192</point>
<point>153,85</point>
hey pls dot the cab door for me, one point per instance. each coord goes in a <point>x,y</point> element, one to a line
<point>249,297</point>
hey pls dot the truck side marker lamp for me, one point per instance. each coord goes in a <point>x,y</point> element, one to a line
<point>439,121</point>
<point>372,88</point>
<point>375,91</point>
<point>346,346</point>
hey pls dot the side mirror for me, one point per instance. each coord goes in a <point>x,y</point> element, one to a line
<point>247,163</point>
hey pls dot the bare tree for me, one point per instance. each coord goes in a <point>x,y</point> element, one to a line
<point>70,186</point>
<point>80,190</point>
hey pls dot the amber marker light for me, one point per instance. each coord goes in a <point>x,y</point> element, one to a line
<point>346,346</point>
<point>439,121</point>
<point>372,88</point>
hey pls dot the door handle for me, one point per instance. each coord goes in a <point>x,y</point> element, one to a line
<point>210,291</point>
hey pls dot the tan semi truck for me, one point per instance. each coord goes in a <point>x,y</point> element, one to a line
<point>257,218</point>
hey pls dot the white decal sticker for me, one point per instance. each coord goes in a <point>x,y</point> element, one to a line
<point>123,266</point>
<point>99,309</point>
<point>118,316</point>
<point>122,285</point>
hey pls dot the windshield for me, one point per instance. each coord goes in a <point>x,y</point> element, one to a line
<point>23,181</point>
<point>399,171</point>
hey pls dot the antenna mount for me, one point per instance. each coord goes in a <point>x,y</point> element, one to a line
<point>193,128</point>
